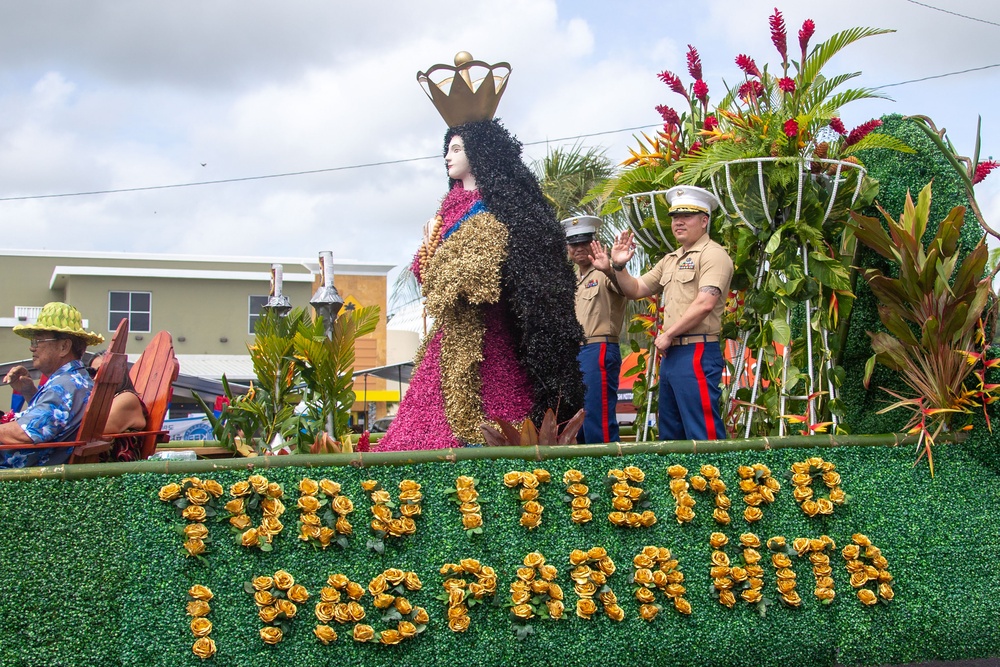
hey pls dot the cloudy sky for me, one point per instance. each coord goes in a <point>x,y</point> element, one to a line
<point>100,95</point>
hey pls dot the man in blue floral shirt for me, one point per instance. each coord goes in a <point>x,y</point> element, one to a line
<point>54,411</point>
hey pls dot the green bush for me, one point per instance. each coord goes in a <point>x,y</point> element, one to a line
<point>95,576</point>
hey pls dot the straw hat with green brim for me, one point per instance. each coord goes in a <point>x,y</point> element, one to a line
<point>61,318</point>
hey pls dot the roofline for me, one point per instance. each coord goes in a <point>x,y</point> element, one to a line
<point>345,265</point>
<point>190,274</point>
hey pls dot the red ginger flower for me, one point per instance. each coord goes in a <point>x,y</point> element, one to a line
<point>778,36</point>
<point>805,34</point>
<point>791,128</point>
<point>710,123</point>
<point>746,63</point>
<point>861,131</point>
<point>751,88</point>
<point>673,81</point>
<point>694,62</point>
<point>364,442</point>
<point>668,115</point>
<point>837,126</point>
<point>695,147</point>
<point>786,84</point>
<point>983,170</point>
<point>701,90</point>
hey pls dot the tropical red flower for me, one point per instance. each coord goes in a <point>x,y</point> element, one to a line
<point>752,88</point>
<point>746,63</point>
<point>861,131</point>
<point>786,84</point>
<point>673,81</point>
<point>791,128</point>
<point>694,62</point>
<point>695,147</point>
<point>668,115</point>
<point>983,170</point>
<point>364,442</point>
<point>778,35</point>
<point>837,126</point>
<point>701,90</point>
<point>805,34</point>
<point>711,123</point>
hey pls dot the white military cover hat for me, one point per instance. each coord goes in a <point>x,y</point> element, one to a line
<point>691,199</point>
<point>581,228</point>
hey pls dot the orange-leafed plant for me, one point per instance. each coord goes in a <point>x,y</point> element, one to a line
<point>934,313</point>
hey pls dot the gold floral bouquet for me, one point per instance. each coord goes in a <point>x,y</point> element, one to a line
<point>253,494</point>
<point>322,519</point>
<point>277,599</point>
<point>781,559</point>
<point>710,480</point>
<point>758,487</point>
<point>531,509</point>
<point>196,500</point>
<point>461,595</point>
<point>333,607</point>
<point>875,571</point>
<point>817,549</point>
<point>730,579</point>
<point>388,520</point>
<point>198,608</point>
<point>590,573</point>
<point>803,474</point>
<point>467,498</point>
<point>628,498</point>
<point>578,496</point>
<point>388,590</point>
<point>535,593</point>
<point>656,568</point>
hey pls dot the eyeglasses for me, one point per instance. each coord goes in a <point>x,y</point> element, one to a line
<point>34,343</point>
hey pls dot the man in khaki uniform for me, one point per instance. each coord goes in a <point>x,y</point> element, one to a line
<point>600,308</point>
<point>694,280</point>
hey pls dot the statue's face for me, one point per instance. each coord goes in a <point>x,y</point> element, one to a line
<point>456,159</point>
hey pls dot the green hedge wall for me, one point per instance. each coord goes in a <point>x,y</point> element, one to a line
<point>94,577</point>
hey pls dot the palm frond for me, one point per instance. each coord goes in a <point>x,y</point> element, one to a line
<point>824,51</point>
<point>875,140</point>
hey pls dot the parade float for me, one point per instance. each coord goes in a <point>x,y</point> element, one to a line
<point>782,546</point>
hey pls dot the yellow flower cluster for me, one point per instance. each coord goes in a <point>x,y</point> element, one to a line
<point>728,578</point>
<point>590,573</point>
<point>322,529</point>
<point>332,608</point>
<point>468,502</point>
<point>531,509</point>
<point>394,523</point>
<point>198,608</point>
<point>710,480</point>
<point>781,560</point>
<point>655,568</point>
<point>875,571</point>
<point>250,494</point>
<point>387,589</point>
<point>536,580</point>
<point>803,474</point>
<point>758,489</point>
<point>817,549</point>
<point>277,599</point>
<point>627,497</point>
<point>195,499</point>
<point>579,501</point>
<point>684,511</point>
<point>458,591</point>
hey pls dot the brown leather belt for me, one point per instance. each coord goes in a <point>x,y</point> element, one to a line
<point>601,339</point>
<point>691,339</point>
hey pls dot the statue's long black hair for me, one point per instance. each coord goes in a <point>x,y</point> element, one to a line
<point>539,286</point>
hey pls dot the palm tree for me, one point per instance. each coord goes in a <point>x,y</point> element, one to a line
<point>568,175</point>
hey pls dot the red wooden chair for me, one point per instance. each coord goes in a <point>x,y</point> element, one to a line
<point>153,376</point>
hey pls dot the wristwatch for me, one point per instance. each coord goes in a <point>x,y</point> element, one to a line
<point>619,267</point>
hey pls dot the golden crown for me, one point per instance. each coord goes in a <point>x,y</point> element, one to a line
<point>458,96</point>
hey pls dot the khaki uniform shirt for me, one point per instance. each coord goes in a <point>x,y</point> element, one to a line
<point>682,273</point>
<point>600,306</point>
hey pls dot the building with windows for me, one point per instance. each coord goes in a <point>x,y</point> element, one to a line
<point>208,304</point>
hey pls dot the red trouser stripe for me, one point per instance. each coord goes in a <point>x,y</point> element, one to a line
<point>604,395</point>
<point>706,402</point>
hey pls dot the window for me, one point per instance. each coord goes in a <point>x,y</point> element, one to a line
<point>136,306</point>
<point>256,309</point>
